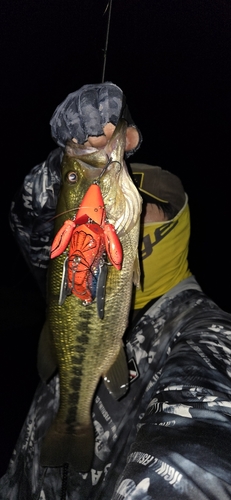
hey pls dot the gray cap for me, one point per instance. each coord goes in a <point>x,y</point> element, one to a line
<point>156,184</point>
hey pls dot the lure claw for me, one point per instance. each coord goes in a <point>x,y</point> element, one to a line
<point>113,246</point>
<point>62,238</point>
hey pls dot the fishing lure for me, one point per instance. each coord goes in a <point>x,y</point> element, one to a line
<point>91,239</point>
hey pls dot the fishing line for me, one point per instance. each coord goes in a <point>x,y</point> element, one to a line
<point>109,5</point>
<point>63,213</point>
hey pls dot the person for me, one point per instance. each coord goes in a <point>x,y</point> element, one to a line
<point>170,436</point>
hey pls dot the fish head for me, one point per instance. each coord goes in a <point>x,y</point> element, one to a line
<point>79,170</point>
<point>81,167</point>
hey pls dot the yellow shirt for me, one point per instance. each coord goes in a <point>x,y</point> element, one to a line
<point>164,256</point>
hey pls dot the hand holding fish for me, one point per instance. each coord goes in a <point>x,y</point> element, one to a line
<point>89,116</point>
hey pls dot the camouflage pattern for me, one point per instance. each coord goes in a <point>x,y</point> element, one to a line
<point>32,212</point>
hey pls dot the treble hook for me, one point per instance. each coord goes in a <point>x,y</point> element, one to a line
<point>110,161</point>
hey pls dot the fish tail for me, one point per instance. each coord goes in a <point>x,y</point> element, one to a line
<point>76,448</point>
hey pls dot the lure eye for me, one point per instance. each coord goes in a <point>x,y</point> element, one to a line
<point>72,177</point>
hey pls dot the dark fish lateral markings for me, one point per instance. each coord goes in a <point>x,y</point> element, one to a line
<point>81,341</point>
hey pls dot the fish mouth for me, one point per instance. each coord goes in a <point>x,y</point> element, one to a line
<point>107,167</point>
<point>122,200</point>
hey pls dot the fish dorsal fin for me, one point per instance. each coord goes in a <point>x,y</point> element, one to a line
<point>117,377</point>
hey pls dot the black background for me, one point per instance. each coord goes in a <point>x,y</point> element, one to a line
<point>172,60</point>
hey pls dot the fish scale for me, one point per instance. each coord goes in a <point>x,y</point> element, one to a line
<point>83,346</point>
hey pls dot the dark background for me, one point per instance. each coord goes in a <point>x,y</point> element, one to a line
<point>172,60</point>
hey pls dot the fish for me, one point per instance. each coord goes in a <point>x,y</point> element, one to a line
<point>82,337</point>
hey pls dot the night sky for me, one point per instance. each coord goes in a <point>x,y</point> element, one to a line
<point>172,60</point>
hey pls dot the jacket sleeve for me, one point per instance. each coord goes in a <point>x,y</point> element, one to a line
<point>32,211</point>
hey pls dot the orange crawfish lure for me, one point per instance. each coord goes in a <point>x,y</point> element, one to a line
<point>91,240</point>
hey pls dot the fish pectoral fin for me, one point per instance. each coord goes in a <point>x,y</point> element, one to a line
<point>136,271</point>
<point>46,360</point>
<point>117,377</point>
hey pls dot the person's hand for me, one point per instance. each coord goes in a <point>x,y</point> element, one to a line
<point>90,115</point>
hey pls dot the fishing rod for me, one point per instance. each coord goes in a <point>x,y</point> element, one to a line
<point>107,36</point>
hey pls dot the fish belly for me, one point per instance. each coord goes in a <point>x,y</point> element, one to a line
<point>86,347</point>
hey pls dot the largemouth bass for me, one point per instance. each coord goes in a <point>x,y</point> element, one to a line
<point>78,338</point>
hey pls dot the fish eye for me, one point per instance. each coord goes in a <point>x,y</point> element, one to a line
<point>72,177</point>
